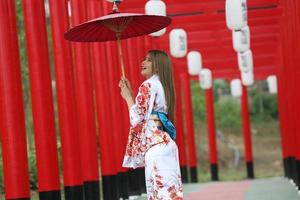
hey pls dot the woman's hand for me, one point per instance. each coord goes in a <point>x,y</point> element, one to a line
<point>126,91</point>
<point>127,82</point>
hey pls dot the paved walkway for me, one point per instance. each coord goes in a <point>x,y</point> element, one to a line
<point>261,189</point>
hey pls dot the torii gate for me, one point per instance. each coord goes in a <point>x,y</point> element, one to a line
<point>272,53</point>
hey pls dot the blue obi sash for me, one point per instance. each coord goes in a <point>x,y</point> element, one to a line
<point>167,124</point>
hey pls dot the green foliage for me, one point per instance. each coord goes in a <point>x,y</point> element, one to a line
<point>32,170</point>
<point>262,105</point>
<point>227,109</point>
<point>228,115</point>
<point>198,101</point>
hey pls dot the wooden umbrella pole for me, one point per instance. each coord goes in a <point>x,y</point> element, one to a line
<point>120,54</point>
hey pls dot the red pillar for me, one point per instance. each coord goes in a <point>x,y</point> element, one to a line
<point>247,132</point>
<point>283,119</point>
<point>141,54</point>
<point>133,64</point>
<point>211,128</point>
<point>108,148</point>
<point>114,117</point>
<point>189,125</point>
<point>288,87</point>
<point>68,124</point>
<point>123,176</point>
<point>42,99</point>
<point>85,107</point>
<point>179,127</point>
<point>12,122</point>
<point>133,70</point>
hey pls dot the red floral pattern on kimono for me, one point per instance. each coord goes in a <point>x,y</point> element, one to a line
<point>152,148</point>
<point>163,178</point>
<point>138,140</point>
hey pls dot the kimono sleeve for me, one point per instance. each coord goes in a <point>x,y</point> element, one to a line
<point>143,104</point>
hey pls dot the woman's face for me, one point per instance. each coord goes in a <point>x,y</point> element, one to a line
<point>147,68</point>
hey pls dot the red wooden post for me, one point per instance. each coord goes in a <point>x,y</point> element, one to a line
<point>85,107</point>
<point>131,64</point>
<point>179,127</point>
<point>283,117</point>
<point>12,122</point>
<point>123,176</point>
<point>247,132</point>
<point>141,54</point>
<point>185,81</point>
<point>67,111</point>
<point>42,99</point>
<point>115,130</point>
<point>211,128</point>
<point>296,41</point>
<point>108,150</point>
<point>119,123</point>
<point>288,87</point>
<point>134,185</point>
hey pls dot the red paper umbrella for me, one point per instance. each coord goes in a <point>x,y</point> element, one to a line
<point>117,26</point>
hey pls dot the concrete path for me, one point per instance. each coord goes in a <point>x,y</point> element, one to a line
<point>261,189</point>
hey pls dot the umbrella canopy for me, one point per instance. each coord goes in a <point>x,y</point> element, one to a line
<point>108,27</point>
<point>117,26</point>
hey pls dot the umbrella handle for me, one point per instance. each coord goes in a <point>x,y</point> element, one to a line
<point>120,54</point>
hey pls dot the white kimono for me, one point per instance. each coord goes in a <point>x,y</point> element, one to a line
<point>152,148</point>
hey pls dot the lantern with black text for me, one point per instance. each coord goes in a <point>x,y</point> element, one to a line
<point>236,14</point>
<point>205,78</point>
<point>241,39</point>
<point>245,61</point>
<point>178,43</point>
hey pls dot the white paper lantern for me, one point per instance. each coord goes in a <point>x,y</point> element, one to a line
<point>272,84</point>
<point>205,79</point>
<point>241,39</point>
<point>178,43</point>
<point>245,61</point>
<point>236,14</point>
<point>156,7</point>
<point>194,60</point>
<point>247,78</point>
<point>236,88</point>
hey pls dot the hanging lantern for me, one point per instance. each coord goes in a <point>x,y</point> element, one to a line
<point>241,39</point>
<point>178,43</point>
<point>247,78</point>
<point>205,79</point>
<point>156,7</point>
<point>236,14</point>
<point>272,84</point>
<point>245,61</point>
<point>194,60</point>
<point>236,88</point>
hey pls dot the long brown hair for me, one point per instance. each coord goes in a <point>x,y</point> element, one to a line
<point>162,64</point>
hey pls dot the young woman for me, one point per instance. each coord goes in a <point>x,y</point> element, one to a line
<point>152,134</point>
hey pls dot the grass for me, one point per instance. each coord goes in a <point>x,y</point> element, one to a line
<point>266,148</point>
